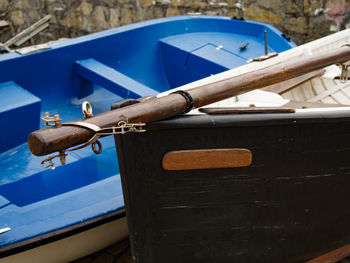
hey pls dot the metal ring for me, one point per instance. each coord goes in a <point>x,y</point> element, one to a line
<point>87,109</point>
<point>122,124</point>
<point>189,100</point>
<point>99,149</point>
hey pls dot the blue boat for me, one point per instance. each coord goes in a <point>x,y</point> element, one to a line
<point>81,203</point>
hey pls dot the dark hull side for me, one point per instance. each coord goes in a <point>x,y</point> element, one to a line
<point>290,205</point>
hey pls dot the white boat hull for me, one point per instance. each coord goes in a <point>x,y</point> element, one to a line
<point>74,247</point>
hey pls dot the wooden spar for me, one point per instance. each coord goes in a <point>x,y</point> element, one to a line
<point>55,139</point>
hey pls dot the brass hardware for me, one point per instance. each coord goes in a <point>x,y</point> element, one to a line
<point>99,149</point>
<point>51,165</point>
<point>87,109</point>
<point>121,128</point>
<point>54,121</point>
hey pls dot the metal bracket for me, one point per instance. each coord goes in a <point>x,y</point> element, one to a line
<point>55,119</point>
<point>121,128</point>
<point>51,165</point>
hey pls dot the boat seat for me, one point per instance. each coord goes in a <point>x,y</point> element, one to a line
<point>19,115</point>
<point>189,57</point>
<point>90,71</point>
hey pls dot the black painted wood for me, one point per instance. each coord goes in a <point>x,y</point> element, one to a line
<point>291,205</point>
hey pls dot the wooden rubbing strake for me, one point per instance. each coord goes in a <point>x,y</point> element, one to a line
<point>206,159</point>
<point>245,110</point>
<point>333,256</point>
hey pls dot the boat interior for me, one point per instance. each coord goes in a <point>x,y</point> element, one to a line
<point>129,62</point>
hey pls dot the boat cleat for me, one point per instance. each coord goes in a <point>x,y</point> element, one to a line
<point>54,121</point>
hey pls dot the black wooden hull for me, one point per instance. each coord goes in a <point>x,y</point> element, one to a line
<point>290,205</point>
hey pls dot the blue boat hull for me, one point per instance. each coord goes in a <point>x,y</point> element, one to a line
<point>133,61</point>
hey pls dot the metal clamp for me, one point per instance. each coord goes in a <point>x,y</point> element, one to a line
<point>121,128</point>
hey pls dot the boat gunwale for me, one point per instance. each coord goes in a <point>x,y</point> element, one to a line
<point>139,25</point>
<point>301,116</point>
<point>50,237</point>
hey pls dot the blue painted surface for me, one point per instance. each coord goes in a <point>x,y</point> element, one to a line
<point>130,61</point>
<point>19,114</point>
<point>98,73</point>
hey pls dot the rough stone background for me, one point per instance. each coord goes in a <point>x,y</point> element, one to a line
<point>302,20</point>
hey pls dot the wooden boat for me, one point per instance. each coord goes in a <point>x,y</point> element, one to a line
<point>78,208</point>
<point>245,185</point>
<point>268,186</point>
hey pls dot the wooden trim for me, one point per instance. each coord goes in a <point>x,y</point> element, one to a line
<point>333,256</point>
<point>245,110</point>
<point>206,159</point>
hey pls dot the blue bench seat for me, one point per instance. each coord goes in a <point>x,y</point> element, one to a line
<point>90,71</point>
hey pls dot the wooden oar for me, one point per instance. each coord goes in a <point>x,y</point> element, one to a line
<point>59,139</point>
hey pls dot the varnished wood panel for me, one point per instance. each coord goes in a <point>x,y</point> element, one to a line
<point>206,159</point>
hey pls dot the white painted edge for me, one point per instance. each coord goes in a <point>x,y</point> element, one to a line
<point>330,109</point>
<point>4,230</point>
<point>74,247</point>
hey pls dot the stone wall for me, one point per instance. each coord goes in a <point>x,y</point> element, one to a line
<point>302,20</point>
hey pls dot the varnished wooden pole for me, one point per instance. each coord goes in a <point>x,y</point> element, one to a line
<point>50,140</point>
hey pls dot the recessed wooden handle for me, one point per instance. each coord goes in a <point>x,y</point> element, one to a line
<point>206,159</point>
